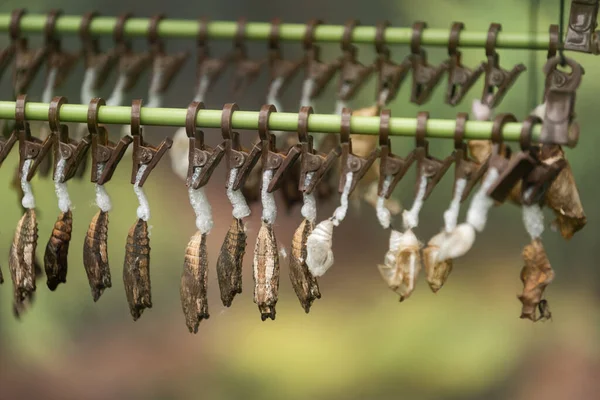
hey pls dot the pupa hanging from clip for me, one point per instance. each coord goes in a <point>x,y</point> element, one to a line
<point>313,167</point>
<point>68,155</point>
<point>537,272</point>
<point>430,170</point>
<point>319,252</point>
<point>266,255</point>
<point>22,263</point>
<point>136,268</point>
<point>105,158</point>
<point>239,164</point>
<point>202,161</point>
<point>493,188</point>
<point>437,265</point>
<point>6,146</point>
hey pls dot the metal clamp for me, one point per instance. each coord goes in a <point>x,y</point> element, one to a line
<point>390,164</point>
<point>425,76</point>
<point>104,152</point>
<point>144,153</point>
<point>389,74</point>
<point>497,80</point>
<point>30,148</point>
<point>199,154</point>
<point>351,162</point>
<point>460,78</point>
<point>72,151</point>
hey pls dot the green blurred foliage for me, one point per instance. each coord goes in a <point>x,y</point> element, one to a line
<point>358,342</point>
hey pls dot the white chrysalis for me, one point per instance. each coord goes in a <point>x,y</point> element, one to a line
<point>60,187</point>
<point>200,204</point>
<point>143,211</point>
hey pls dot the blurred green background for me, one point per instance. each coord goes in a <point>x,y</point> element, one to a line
<point>358,342</point>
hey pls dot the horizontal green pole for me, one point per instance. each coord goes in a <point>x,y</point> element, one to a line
<point>181,28</point>
<point>436,128</point>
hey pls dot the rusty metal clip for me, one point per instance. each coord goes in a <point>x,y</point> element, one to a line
<point>510,170</point>
<point>6,56</point>
<point>353,74</point>
<point>390,164</point>
<point>72,151</point>
<point>235,155</point>
<point>538,180</point>
<point>280,69</point>
<point>30,148</point>
<point>208,69</point>
<point>131,64</point>
<point>59,61</point>
<point>312,161</point>
<point>497,80</point>
<point>6,145</point>
<point>164,66</point>
<point>246,70</point>
<point>389,74</point>
<point>27,62</point>
<point>425,76</point>
<point>460,78</point>
<point>144,153</point>
<point>349,161</point>
<point>280,163</point>
<point>103,63</point>
<point>199,154</point>
<point>582,24</point>
<point>464,166</point>
<point>320,73</point>
<point>561,87</point>
<point>105,154</point>
<point>430,167</point>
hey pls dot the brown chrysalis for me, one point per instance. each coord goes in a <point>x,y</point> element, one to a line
<point>305,285</point>
<point>229,263</point>
<point>436,272</point>
<point>535,275</point>
<point>136,269</point>
<point>57,249</point>
<point>266,271</point>
<point>22,261</point>
<point>563,196</point>
<point>401,267</point>
<point>194,280</point>
<point>95,255</point>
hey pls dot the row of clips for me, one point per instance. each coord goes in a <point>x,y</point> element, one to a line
<point>352,73</point>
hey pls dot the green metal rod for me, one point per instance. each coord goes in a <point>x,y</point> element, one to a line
<point>436,128</point>
<point>181,28</point>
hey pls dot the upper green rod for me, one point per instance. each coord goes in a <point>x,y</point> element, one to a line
<point>182,28</point>
<point>436,128</point>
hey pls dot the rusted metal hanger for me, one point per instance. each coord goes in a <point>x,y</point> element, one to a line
<point>208,67</point>
<point>319,72</point>
<point>103,63</point>
<point>58,60</point>
<point>312,161</point>
<point>246,70</point>
<point>28,62</point>
<point>280,68</point>
<point>460,78</point>
<point>353,74</point>
<point>349,161</point>
<point>144,153</point>
<point>464,166</point>
<point>498,81</point>
<point>104,152</point>
<point>425,76</point>
<point>199,154</point>
<point>131,64</point>
<point>389,74</point>
<point>389,163</point>
<point>72,151</point>
<point>430,167</point>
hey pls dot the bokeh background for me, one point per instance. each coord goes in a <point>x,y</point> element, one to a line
<point>358,342</point>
